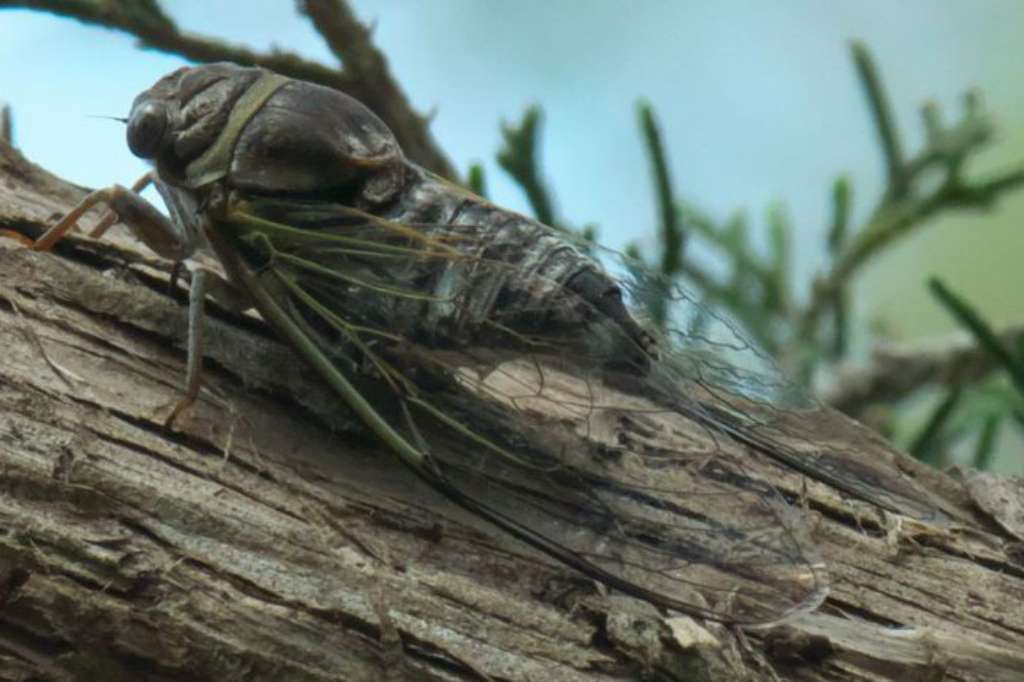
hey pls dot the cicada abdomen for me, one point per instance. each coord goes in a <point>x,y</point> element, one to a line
<point>507,366</point>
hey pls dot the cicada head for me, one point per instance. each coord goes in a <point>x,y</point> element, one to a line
<point>261,132</point>
<point>180,118</point>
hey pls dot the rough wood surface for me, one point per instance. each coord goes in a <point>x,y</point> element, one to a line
<point>265,538</point>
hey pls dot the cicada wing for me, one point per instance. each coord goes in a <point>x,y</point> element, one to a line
<point>738,391</point>
<point>639,492</point>
<point>576,440</point>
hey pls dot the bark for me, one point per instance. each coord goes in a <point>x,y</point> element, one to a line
<point>265,537</point>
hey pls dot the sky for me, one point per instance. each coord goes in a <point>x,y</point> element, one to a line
<point>758,103</point>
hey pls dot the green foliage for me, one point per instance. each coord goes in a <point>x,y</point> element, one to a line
<point>476,180</point>
<point>519,156</point>
<point>520,159</point>
<point>672,238</point>
<point>811,335</point>
<point>980,409</point>
<point>926,445</point>
<point>837,235</point>
<point>972,320</point>
<point>982,458</point>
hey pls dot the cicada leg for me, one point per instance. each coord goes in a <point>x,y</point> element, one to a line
<point>111,217</point>
<point>168,239</point>
<point>158,232</point>
<point>204,283</point>
<point>194,357</point>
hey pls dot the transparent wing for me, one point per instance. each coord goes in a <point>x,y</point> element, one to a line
<point>650,462</point>
<point>753,404</point>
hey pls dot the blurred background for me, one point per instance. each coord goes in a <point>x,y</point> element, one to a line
<point>758,103</point>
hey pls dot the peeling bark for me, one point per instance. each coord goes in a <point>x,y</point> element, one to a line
<point>267,537</point>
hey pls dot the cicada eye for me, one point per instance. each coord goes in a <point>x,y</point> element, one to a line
<point>146,128</point>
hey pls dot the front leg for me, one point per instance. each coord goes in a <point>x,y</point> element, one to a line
<point>163,236</point>
<point>168,238</point>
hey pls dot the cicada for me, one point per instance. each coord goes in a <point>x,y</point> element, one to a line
<point>493,355</point>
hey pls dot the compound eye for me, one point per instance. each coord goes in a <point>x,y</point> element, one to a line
<point>146,128</point>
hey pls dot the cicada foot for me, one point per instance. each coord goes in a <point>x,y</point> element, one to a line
<point>177,409</point>
<point>146,222</point>
<point>16,236</point>
<point>115,196</point>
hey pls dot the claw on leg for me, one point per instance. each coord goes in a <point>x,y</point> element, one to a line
<point>16,236</point>
<point>180,407</point>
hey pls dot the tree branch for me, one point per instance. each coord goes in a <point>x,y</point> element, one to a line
<point>897,371</point>
<point>894,221</point>
<point>253,537</point>
<point>905,207</point>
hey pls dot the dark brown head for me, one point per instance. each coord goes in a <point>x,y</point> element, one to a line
<point>182,115</point>
<point>264,133</point>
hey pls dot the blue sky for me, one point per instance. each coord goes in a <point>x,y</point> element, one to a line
<point>758,101</point>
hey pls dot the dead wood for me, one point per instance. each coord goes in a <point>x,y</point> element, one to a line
<point>267,538</point>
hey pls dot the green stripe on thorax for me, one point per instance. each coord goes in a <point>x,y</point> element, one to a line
<point>213,164</point>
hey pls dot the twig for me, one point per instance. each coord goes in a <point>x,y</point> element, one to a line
<point>837,234</point>
<point>895,372</point>
<point>519,158</point>
<point>894,221</point>
<point>902,209</point>
<point>757,292</point>
<point>881,112</point>
<point>350,42</point>
<point>982,332</point>
<point>673,238</point>
<point>777,288</point>
<point>155,30</point>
